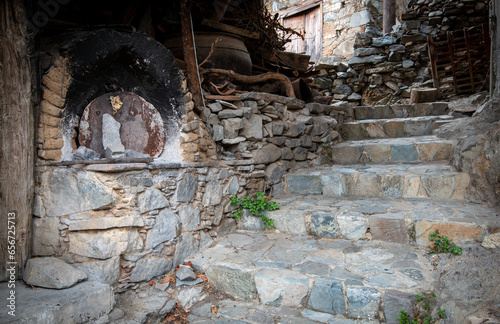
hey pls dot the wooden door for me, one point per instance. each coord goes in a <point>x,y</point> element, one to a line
<point>310,24</point>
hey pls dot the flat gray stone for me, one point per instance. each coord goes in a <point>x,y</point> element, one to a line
<point>46,239</point>
<point>317,316</point>
<point>106,272</point>
<point>110,132</point>
<point>105,223</point>
<point>404,153</point>
<point>252,127</point>
<point>217,133</point>
<point>311,267</point>
<point>287,221</point>
<point>372,59</point>
<point>232,187</point>
<point>185,273</point>
<point>281,287</point>
<point>188,297</point>
<point>396,301</point>
<point>294,130</point>
<point>51,273</point>
<point>186,188</point>
<point>190,217</point>
<point>131,154</point>
<point>230,113</point>
<point>85,190</point>
<point>213,193</point>
<point>105,244</point>
<point>363,302</point>
<point>166,228</point>
<point>325,225</point>
<point>89,300</point>
<point>327,296</point>
<point>187,246</point>
<point>148,268</point>
<point>250,222</point>
<point>267,154</point>
<point>232,127</point>
<point>151,199</point>
<point>303,184</point>
<point>84,153</point>
<point>233,280</point>
<point>352,226</point>
<point>384,41</point>
<point>386,280</point>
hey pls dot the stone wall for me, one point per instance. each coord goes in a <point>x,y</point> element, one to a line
<point>383,68</point>
<point>274,133</point>
<point>127,223</point>
<point>342,20</point>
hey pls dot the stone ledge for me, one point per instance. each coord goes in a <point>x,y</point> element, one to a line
<point>85,302</point>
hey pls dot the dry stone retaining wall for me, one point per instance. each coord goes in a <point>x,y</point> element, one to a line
<point>129,223</point>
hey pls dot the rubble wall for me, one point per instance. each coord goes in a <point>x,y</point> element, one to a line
<point>385,67</point>
<point>127,223</point>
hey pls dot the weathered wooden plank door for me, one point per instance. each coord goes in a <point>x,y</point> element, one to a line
<point>310,24</point>
<point>16,140</point>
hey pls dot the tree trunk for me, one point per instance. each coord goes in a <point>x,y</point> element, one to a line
<point>16,139</point>
<point>389,16</point>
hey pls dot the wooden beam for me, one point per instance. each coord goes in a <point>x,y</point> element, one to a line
<point>230,29</point>
<point>389,15</point>
<point>17,137</point>
<point>189,56</point>
<point>298,8</point>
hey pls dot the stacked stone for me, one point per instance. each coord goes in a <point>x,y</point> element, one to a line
<point>393,63</point>
<point>196,144</point>
<point>127,223</point>
<point>339,81</point>
<point>49,137</point>
<point>389,64</point>
<point>437,16</point>
<point>273,132</point>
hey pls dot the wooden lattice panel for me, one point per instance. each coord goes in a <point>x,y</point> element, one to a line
<point>461,60</point>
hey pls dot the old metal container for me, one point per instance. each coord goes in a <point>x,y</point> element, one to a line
<point>230,53</point>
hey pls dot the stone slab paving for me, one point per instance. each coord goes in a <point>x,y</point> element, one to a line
<point>393,150</point>
<point>394,127</point>
<point>426,180</point>
<point>284,278</point>
<point>400,111</point>
<point>386,219</point>
<point>87,302</point>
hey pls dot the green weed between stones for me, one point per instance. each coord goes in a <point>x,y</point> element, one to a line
<point>423,311</point>
<point>443,244</point>
<point>256,206</point>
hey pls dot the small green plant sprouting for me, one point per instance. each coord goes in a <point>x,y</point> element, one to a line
<point>422,311</point>
<point>442,244</point>
<point>256,206</point>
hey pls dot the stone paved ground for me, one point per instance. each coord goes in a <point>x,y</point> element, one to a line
<point>302,279</point>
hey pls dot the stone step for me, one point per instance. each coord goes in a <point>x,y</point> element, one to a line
<point>400,111</point>
<point>320,280</point>
<point>396,127</point>
<point>393,150</point>
<point>86,302</point>
<point>436,180</point>
<point>385,219</point>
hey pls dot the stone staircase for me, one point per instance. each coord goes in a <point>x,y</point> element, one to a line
<point>351,240</point>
